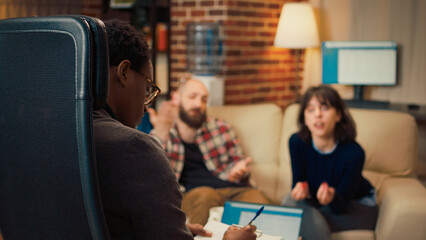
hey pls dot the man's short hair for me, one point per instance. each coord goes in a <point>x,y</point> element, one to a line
<point>125,43</point>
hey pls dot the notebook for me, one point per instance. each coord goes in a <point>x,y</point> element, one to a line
<point>274,220</point>
<point>218,229</point>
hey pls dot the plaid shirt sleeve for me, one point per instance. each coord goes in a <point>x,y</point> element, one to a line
<point>174,149</point>
<point>220,147</point>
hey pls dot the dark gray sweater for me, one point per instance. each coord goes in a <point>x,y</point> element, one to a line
<point>139,191</point>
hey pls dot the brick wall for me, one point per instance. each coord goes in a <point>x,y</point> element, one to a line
<point>93,8</point>
<point>254,70</point>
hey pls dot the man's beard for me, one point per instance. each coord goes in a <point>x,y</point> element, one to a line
<point>192,121</point>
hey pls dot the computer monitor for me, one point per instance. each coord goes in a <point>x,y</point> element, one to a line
<point>360,63</point>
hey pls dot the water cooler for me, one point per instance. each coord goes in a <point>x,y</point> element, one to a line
<point>204,58</point>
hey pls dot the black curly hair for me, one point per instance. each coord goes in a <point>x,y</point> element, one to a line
<point>125,43</point>
<point>345,129</point>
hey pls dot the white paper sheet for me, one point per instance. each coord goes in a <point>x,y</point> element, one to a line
<point>218,229</point>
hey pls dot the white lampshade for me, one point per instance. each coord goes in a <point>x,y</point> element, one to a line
<point>297,27</point>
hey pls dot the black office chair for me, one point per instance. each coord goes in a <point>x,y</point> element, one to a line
<point>53,74</point>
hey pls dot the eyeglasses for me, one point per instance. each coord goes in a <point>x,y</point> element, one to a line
<point>152,90</point>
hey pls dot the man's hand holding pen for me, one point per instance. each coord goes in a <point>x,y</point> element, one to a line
<point>257,233</point>
<point>234,232</point>
<point>248,232</point>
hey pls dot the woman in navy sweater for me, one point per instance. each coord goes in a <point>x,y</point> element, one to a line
<point>327,164</point>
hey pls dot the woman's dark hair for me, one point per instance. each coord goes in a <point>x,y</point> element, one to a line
<point>125,43</point>
<point>344,131</point>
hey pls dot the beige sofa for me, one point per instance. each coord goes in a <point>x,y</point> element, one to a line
<point>390,140</point>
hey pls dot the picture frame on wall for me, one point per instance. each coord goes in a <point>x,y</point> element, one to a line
<point>121,4</point>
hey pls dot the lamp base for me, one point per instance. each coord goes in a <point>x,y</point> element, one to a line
<point>298,84</point>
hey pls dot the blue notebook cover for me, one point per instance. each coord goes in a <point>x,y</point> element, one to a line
<point>274,220</point>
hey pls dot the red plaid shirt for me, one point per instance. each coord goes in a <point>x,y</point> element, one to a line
<point>216,141</point>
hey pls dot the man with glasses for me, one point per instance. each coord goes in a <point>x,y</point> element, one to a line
<point>140,196</point>
<point>204,152</point>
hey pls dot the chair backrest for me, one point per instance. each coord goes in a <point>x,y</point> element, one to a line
<point>53,74</point>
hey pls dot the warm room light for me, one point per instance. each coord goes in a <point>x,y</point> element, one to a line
<point>297,29</point>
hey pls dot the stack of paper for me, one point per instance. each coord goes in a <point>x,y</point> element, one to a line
<point>218,229</point>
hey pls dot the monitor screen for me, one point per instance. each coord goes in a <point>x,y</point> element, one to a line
<point>359,62</point>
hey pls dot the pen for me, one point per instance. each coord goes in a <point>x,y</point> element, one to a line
<point>258,232</point>
<point>257,214</point>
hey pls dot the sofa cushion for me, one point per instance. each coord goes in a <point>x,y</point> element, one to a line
<point>389,139</point>
<point>258,129</point>
<point>353,234</point>
<point>289,126</point>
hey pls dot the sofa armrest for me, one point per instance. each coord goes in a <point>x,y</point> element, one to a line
<point>402,210</point>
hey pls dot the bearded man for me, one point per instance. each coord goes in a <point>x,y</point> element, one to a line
<point>204,153</point>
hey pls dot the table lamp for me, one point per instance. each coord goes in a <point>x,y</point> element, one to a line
<point>297,29</point>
